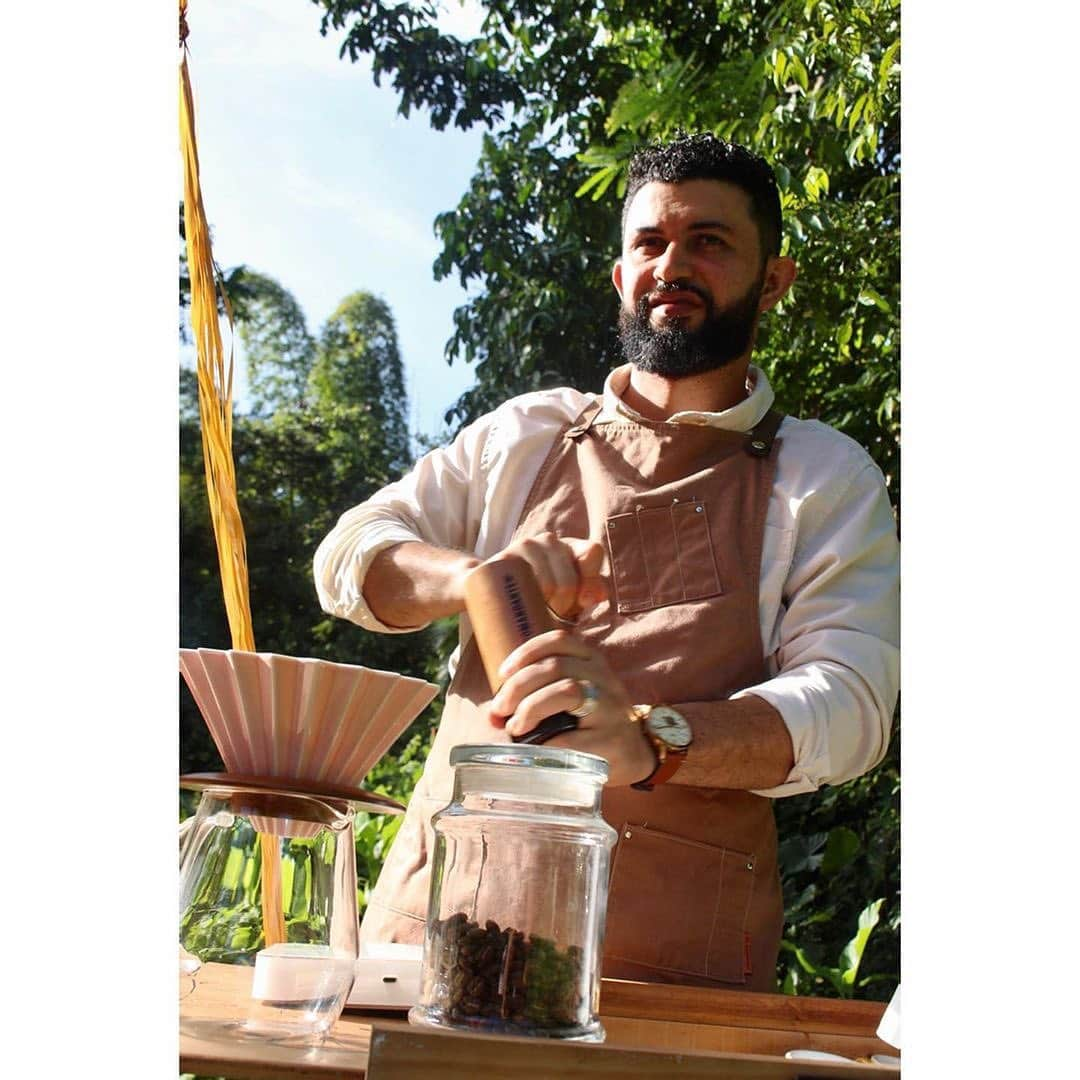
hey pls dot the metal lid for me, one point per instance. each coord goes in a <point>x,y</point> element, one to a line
<point>524,755</point>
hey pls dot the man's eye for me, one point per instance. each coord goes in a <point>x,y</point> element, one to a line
<point>711,240</point>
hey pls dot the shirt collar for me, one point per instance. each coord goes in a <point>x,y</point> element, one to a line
<point>740,417</point>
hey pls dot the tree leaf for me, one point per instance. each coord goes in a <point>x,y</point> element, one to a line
<point>852,955</point>
<point>598,177</point>
<point>888,68</point>
<point>779,63</point>
<point>799,71</point>
<point>843,845</point>
<point>871,297</point>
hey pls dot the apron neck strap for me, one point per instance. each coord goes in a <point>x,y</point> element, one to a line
<point>759,439</point>
<point>584,420</point>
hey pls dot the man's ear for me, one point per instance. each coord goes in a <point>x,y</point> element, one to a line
<point>616,276</point>
<point>780,274</point>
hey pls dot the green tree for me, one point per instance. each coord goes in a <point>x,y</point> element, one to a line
<point>358,387</point>
<point>278,349</point>
<point>566,90</point>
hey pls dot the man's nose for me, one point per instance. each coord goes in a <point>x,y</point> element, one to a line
<point>672,265</point>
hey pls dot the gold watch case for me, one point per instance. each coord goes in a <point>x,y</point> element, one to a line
<point>670,734</point>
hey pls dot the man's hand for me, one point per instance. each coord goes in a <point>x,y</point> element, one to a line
<point>411,583</point>
<point>567,569</point>
<point>544,676</point>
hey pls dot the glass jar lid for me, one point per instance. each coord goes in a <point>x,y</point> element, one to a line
<point>576,763</point>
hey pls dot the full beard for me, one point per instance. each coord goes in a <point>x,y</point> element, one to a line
<point>675,351</point>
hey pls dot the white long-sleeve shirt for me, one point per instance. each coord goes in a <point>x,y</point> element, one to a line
<point>829,583</point>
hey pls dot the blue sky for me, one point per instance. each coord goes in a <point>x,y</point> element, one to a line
<point>310,176</point>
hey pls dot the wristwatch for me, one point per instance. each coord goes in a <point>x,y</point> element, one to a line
<point>669,735</point>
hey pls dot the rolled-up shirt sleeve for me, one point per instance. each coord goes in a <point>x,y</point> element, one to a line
<point>467,496</point>
<point>837,664</point>
<point>437,502</point>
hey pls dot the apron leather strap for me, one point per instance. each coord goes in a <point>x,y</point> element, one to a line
<point>758,443</point>
<point>584,420</point>
<point>759,439</point>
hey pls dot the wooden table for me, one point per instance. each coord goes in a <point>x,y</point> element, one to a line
<point>653,1032</point>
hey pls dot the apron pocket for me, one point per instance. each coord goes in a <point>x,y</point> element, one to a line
<point>662,555</point>
<point>679,905</point>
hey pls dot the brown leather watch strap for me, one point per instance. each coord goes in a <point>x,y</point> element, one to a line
<point>663,772</point>
<point>668,760</point>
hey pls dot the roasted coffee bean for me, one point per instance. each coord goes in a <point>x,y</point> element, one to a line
<point>506,979</point>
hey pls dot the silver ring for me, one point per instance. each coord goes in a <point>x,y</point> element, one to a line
<point>590,698</point>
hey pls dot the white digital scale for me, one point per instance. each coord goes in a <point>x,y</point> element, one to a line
<point>387,977</point>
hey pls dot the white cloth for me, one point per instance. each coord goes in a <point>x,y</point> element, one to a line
<point>829,587</point>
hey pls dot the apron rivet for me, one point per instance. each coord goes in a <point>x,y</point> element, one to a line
<point>757,444</point>
<point>627,834</point>
<point>699,509</point>
<point>749,866</point>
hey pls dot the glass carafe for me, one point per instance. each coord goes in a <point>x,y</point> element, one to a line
<point>518,895</point>
<point>268,920</point>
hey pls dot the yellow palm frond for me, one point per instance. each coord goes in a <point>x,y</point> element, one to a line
<point>215,377</point>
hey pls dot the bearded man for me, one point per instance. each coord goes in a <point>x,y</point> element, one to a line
<point>726,576</point>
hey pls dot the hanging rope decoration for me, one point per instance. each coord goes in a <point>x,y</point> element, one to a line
<point>215,417</point>
<point>214,376</point>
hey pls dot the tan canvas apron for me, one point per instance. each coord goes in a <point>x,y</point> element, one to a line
<point>695,891</point>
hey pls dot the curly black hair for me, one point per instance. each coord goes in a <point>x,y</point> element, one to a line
<point>705,156</point>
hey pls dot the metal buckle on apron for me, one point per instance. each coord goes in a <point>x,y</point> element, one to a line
<point>759,439</point>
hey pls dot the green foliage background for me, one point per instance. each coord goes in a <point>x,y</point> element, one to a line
<point>566,90</point>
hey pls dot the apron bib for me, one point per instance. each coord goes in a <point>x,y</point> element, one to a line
<point>695,890</point>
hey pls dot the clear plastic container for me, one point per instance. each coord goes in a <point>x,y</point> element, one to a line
<point>518,895</point>
<point>268,923</point>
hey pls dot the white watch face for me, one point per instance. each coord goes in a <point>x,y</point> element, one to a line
<point>670,726</point>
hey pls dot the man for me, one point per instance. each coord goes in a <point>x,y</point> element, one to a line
<point>727,580</point>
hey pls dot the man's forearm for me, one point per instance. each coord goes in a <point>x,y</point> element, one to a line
<point>410,584</point>
<point>742,744</point>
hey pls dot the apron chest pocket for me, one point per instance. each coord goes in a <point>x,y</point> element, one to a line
<point>662,555</point>
<point>679,905</point>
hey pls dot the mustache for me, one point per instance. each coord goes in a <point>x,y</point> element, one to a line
<point>664,287</point>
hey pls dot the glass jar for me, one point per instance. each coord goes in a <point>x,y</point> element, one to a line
<point>268,919</point>
<point>518,897</point>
